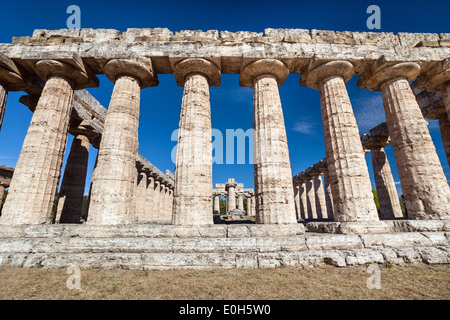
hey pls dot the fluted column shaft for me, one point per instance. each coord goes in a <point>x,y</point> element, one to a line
<point>216,204</point>
<point>156,199</point>
<point>240,202</point>
<point>297,200</point>
<point>141,196</point>
<point>424,184</point>
<point>303,201</point>
<point>321,206</point>
<point>249,206</point>
<point>74,180</point>
<point>273,177</point>
<point>3,96</point>
<point>231,199</point>
<point>193,168</point>
<point>384,181</point>
<point>328,195</point>
<point>114,177</point>
<point>310,200</point>
<point>348,173</point>
<point>149,194</point>
<point>38,169</point>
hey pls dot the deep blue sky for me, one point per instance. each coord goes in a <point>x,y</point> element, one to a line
<point>231,105</point>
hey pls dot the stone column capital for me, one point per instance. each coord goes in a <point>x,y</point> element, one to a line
<point>375,142</point>
<point>202,66</point>
<point>382,71</point>
<point>258,68</point>
<point>316,74</point>
<point>139,68</point>
<point>230,185</point>
<point>435,77</point>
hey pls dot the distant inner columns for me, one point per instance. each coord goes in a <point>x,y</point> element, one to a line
<point>273,177</point>
<point>240,202</point>
<point>321,207</point>
<point>386,191</point>
<point>231,197</point>
<point>217,204</point>
<point>74,180</point>
<point>193,167</point>
<point>348,173</point>
<point>36,176</point>
<point>311,208</point>
<point>115,175</point>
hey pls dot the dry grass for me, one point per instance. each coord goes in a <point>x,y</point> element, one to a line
<point>399,282</point>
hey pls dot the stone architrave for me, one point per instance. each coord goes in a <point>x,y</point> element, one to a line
<point>115,175</point>
<point>348,174</point>
<point>34,185</point>
<point>193,165</point>
<point>274,189</point>
<point>74,181</point>
<point>328,196</point>
<point>424,185</point>
<point>310,199</point>
<point>321,206</point>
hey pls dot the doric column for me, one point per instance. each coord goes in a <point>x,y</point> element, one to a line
<point>240,201</point>
<point>141,195</point>
<point>2,194</point>
<point>113,185</point>
<point>273,176</point>
<point>424,184</point>
<point>90,189</point>
<point>384,181</point>
<point>216,203</point>
<point>321,206</point>
<point>33,187</point>
<point>297,200</point>
<point>156,199</point>
<point>328,196</point>
<point>170,202</point>
<point>249,206</point>
<point>310,199</point>
<point>3,96</point>
<point>193,167</point>
<point>444,125</point>
<point>348,173</point>
<point>231,197</point>
<point>162,201</point>
<point>74,180</point>
<point>149,193</point>
<point>303,200</point>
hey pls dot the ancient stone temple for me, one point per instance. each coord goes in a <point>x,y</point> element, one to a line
<point>139,217</point>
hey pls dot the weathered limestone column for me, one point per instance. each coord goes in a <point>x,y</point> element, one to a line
<point>2,194</point>
<point>113,185</point>
<point>216,203</point>
<point>141,195</point>
<point>424,184</point>
<point>274,190</point>
<point>170,204</point>
<point>303,200</point>
<point>384,181</point>
<point>33,187</point>
<point>444,126</point>
<point>249,206</point>
<point>328,195</point>
<point>231,197</point>
<point>156,199</point>
<point>90,189</point>
<point>149,194</point>
<point>348,173</point>
<point>321,206</point>
<point>240,202</point>
<point>310,199</point>
<point>193,167</point>
<point>74,180</point>
<point>3,96</point>
<point>297,200</point>
<point>162,201</point>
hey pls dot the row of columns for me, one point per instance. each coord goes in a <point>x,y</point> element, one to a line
<point>112,195</point>
<point>240,203</point>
